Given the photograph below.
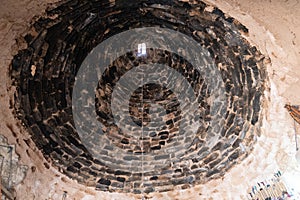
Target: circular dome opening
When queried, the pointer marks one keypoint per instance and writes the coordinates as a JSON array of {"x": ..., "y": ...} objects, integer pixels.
[{"x": 180, "y": 109}]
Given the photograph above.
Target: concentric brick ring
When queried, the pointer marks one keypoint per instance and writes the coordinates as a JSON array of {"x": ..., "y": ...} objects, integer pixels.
[
  {"x": 225, "y": 74},
  {"x": 141, "y": 102},
  {"x": 133, "y": 76}
]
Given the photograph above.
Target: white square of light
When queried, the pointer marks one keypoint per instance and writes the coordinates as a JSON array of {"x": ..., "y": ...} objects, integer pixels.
[{"x": 141, "y": 49}]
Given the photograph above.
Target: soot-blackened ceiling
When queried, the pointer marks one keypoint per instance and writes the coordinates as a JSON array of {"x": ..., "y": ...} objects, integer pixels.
[{"x": 170, "y": 150}]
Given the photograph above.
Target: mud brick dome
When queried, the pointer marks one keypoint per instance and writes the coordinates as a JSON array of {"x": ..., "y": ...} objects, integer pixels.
[{"x": 165, "y": 140}]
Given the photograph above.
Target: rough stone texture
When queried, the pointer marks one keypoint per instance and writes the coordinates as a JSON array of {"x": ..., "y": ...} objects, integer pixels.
[
  {"x": 44, "y": 74},
  {"x": 273, "y": 146},
  {"x": 12, "y": 172}
]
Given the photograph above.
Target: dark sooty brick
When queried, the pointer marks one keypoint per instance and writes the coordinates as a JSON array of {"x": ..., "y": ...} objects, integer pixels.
[{"x": 175, "y": 154}]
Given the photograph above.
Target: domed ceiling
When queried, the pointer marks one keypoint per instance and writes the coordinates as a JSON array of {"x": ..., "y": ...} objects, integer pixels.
[{"x": 139, "y": 96}]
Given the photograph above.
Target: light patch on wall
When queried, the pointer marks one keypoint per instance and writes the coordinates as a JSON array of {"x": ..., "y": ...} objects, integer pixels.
[{"x": 142, "y": 49}]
